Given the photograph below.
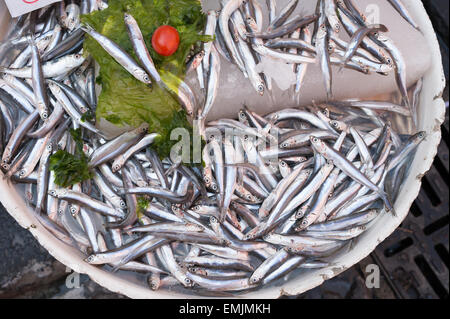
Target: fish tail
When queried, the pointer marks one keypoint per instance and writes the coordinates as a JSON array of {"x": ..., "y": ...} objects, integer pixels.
[
  {"x": 37, "y": 210},
  {"x": 116, "y": 268},
  {"x": 86, "y": 27},
  {"x": 223, "y": 214},
  {"x": 387, "y": 202},
  {"x": 30, "y": 39},
  {"x": 122, "y": 262}
]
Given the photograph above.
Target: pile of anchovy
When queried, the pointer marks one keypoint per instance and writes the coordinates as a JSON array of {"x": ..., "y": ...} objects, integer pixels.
[
  {"x": 241, "y": 40},
  {"x": 275, "y": 193}
]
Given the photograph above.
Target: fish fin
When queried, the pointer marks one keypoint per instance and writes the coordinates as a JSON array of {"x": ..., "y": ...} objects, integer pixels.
[
  {"x": 351, "y": 244},
  {"x": 122, "y": 191}
]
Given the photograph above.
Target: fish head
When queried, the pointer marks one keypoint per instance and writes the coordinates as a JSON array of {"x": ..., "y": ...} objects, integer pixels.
[
  {"x": 144, "y": 77},
  {"x": 76, "y": 60},
  {"x": 419, "y": 137},
  {"x": 116, "y": 167},
  {"x": 154, "y": 282},
  {"x": 187, "y": 282},
  {"x": 54, "y": 192},
  {"x": 318, "y": 144},
  {"x": 260, "y": 88},
  {"x": 213, "y": 221},
  {"x": 286, "y": 144},
  {"x": 92, "y": 259},
  {"x": 143, "y": 128},
  {"x": 336, "y": 27},
  {"x": 54, "y": 87},
  {"x": 338, "y": 125},
  {"x": 214, "y": 187},
  {"x": 243, "y": 118}
]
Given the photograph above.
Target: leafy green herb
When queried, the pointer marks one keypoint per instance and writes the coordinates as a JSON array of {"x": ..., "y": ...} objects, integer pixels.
[
  {"x": 69, "y": 168},
  {"x": 87, "y": 116},
  {"x": 143, "y": 204},
  {"x": 125, "y": 100}
]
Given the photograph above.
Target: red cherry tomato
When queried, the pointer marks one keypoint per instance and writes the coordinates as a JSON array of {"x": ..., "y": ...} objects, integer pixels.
[{"x": 166, "y": 40}]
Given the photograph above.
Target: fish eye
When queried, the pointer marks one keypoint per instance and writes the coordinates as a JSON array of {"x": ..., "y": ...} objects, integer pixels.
[
  {"x": 214, "y": 187},
  {"x": 122, "y": 204},
  {"x": 207, "y": 180},
  {"x": 315, "y": 140},
  {"x": 77, "y": 56},
  {"x": 187, "y": 281},
  {"x": 284, "y": 145},
  {"x": 260, "y": 88}
]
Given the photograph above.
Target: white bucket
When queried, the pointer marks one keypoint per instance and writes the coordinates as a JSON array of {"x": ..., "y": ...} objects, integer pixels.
[{"x": 431, "y": 116}]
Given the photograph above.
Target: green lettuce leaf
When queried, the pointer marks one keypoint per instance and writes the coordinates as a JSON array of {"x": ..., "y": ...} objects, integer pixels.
[
  {"x": 69, "y": 168},
  {"x": 125, "y": 100}
]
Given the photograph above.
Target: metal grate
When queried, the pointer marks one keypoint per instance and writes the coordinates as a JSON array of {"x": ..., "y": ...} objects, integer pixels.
[{"x": 416, "y": 257}]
